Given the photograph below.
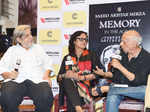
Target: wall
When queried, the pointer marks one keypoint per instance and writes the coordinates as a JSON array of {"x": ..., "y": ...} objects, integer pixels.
[{"x": 12, "y": 20}]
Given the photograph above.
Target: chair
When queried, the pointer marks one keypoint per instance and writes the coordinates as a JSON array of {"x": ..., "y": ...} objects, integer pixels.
[
  {"x": 129, "y": 104},
  {"x": 26, "y": 105},
  {"x": 126, "y": 105},
  {"x": 147, "y": 96}
]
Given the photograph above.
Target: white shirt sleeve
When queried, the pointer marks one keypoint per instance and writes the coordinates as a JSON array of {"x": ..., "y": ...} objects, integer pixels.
[{"x": 6, "y": 60}]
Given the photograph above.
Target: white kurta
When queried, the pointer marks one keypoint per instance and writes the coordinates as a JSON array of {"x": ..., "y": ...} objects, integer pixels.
[{"x": 33, "y": 62}]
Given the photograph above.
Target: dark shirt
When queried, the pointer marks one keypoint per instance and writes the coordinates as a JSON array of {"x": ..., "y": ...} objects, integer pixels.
[{"x": 140, "y": 66}]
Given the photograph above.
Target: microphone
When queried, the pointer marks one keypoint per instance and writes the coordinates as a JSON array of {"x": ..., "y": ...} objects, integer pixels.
[
  {"x": 68, "y": 66},
  {"x": 69, "y": 63},
  {"x": 18, "y": 62},
  {"x": 117, "y": 56}
]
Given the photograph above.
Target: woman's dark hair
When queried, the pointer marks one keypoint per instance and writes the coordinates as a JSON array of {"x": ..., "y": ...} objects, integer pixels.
[{"x": 72, "y": 39}]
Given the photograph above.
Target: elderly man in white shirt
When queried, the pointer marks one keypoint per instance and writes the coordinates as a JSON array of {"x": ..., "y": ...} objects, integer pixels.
[{"x": 25, "y": 68}]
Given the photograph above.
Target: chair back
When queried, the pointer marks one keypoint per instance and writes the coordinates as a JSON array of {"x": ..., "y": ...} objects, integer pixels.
[{"x": 147, "y": 94}]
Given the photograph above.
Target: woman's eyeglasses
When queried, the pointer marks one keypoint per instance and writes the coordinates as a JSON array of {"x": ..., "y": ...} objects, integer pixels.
[{"x": 82, "y": 39}]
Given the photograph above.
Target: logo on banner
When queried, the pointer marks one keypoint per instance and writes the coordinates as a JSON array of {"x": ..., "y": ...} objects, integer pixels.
[
  {"x": 66, "y": 36},
  {"x": 49, "y": 19},
  {"x": 67, "y": 2},
  {"x": 74, "y": 19},
  {"x": 74, "y": 16},
  {"x": 52, "y": 37},
  {"x": 42, "y": 20},
  {"x": 119, "y": 9},
  {"x": 109, "y": 52},
  {"x": 50, "y": 5},
  {"x": 53, "y": 53},
  {"x": 49, "y": 34},
  {"x": 50, "y": 1}
]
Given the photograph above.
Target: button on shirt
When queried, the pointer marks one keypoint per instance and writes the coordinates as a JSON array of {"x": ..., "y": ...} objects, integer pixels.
[{"x": 33, "y": 63}]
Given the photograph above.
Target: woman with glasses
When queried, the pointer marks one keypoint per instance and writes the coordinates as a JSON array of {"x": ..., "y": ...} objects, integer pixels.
[{"x": 76, "y": 73}]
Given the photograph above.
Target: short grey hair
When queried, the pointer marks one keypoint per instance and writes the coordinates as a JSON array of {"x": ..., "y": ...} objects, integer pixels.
[
  {"x": 134, "y": 35},
  {"x": 19, "y": 32}
]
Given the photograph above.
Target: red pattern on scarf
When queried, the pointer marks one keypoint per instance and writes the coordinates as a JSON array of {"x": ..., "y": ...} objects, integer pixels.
[{"x": 84, "y": 65}]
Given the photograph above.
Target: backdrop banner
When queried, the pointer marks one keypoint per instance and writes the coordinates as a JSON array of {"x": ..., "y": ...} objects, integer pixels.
[
  {"x": 56, "y": 21},
  {"x": 107, "y": 22}
]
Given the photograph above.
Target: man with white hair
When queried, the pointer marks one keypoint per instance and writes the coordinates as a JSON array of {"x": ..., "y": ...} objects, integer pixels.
[
  {"x": 25, "y": 68},
  {"x": 132, "y": 70}
]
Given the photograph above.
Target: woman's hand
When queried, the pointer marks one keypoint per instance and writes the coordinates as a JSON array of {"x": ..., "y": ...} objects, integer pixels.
[
  {"x": 103, "y": 89},
  {"x": 94, "y": 92},
  {"x": 71, "y": 74}
]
